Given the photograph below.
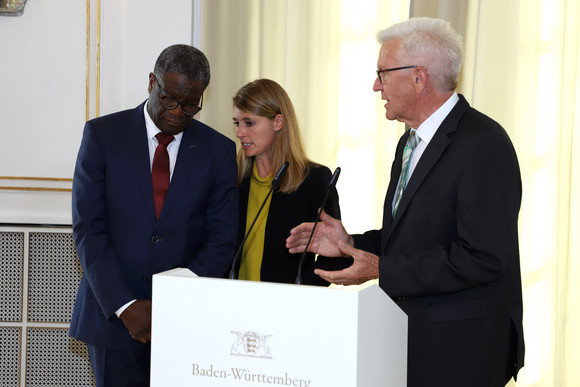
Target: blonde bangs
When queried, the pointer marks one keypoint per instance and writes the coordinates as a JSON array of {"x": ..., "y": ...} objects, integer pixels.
[{"x": 267, "y": 98}]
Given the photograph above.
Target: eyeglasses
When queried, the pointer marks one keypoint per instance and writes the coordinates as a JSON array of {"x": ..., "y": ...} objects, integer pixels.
[
  {"x": 170, "y": 103},
  {"x": 392, "y": 69}
]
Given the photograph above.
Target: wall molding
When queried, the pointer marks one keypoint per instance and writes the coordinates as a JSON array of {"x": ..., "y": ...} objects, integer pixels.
[
  {"x": 48, "y": 184},
  {"x": 93, "y": 70}
]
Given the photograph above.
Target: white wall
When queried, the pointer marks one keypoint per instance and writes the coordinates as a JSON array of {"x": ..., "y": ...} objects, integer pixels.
[{"x": 64, "y": 61}]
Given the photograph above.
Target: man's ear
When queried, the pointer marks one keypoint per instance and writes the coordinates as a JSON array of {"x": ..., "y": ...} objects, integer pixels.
[
  {"x": 151, "y": 83},
  {"x": 420, "y": 79}
]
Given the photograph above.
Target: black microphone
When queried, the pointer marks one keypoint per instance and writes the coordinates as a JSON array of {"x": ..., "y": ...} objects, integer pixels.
[
  {"x": 331, "y": 184},
  {"x": 275, "y": 183}
]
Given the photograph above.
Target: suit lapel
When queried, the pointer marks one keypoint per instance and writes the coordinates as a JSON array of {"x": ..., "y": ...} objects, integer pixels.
[
  {"x": 273, "y": 212},
  {"x": 395, "y": 173},
  {"x": 137, "y": 143},
  {"x": 244, "y": 196},
  {"x": 186, "y": 159},
  {"x": 440, "y": 141}
]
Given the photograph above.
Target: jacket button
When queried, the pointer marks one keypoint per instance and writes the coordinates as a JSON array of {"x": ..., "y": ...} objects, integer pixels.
[
  {"x": 144, "y": 279},
  {"x": 155, "y": 239}
]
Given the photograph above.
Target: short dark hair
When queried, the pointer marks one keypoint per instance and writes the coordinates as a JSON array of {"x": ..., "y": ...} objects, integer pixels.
[{"x": 184, "y": 60}]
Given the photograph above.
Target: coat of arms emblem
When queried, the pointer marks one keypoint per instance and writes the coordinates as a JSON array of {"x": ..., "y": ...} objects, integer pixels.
[{"x": 252, "y": 344}]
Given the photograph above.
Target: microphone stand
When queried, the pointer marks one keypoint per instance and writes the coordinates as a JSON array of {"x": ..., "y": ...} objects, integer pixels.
[
  {"x": 275, "y": 183},
  {"x": 303, "y": 256}
]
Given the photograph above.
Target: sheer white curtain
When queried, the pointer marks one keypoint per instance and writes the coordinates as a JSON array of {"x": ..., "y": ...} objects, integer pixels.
[
  {"x": 324, "y": 53},
  {"x": 521, "y": 68}
]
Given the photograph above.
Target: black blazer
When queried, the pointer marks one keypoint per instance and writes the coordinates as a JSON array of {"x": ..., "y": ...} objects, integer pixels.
[
  {"x": 286, "y": 212},
  {"x": 450, "y": 256}
]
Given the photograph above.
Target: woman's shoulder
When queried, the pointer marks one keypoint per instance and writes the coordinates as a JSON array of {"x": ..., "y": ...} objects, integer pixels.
[
  {"x": 316, "y": 169},
  {"x": 317, "y": 173}
]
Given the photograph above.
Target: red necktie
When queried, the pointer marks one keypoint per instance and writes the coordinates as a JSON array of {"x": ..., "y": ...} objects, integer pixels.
[{"x": 160, "y": 171}]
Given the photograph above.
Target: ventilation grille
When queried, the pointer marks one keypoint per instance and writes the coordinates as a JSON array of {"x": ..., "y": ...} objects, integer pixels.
[
  {"x": 39, "y": 277},
  {"x": 10, "y": 341},
  {"x": 55, "y": 359},
  {"x": 11, "y": 275},
  {"x": 53, "y": 277}
]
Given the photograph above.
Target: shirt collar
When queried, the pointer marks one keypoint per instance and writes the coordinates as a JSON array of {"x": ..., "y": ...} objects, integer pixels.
[
  {"x": 427, "y": 129},
  {"x": 261, "y": 180}
]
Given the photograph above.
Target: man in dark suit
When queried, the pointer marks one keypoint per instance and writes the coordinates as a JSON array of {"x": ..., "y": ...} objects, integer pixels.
[
  {"x": 447, "y": 252},
  {"x": 154, "y": 189}
]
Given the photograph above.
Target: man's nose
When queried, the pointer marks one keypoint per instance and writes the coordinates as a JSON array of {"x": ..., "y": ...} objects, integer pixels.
[{"x": 378, "y": 85}]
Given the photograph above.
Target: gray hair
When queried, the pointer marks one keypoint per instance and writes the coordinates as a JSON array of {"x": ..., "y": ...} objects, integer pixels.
[
  {"x": 430, "y": 43},
  {"x": 184, "y": 60}
]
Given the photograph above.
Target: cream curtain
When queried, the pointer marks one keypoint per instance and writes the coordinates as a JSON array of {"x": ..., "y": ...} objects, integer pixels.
[
  {"x": 324, "y": 53},
  {"x": 521, "y": 68}
]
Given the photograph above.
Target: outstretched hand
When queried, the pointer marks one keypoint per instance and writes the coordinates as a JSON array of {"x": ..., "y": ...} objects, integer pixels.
[
  {"x": 137, "y": 320},
  {"x": 364, "y": 268},
  {"x": 329, "y": 232}
]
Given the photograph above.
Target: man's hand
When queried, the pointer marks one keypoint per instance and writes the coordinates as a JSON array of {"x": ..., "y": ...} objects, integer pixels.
[
  {"x": 329, "y": 232},
  {"x": 364, "y": 268},
  {"x": 137, "y": 320}
]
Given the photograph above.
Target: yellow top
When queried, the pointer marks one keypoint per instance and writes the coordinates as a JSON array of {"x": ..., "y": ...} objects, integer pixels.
[{"x": 251, "y": 264}]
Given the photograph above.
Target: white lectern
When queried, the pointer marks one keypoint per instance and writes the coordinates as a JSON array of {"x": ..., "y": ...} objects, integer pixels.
[{"x": 221, "y": 332}]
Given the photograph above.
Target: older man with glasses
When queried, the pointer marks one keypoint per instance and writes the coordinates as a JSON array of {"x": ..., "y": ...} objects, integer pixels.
[{"x": 447, "y": 252}]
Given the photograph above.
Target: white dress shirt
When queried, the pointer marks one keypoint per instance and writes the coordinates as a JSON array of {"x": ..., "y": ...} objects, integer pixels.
[
  {"x": 425, "y": 133},
  {"x": 172, "y": 149}
]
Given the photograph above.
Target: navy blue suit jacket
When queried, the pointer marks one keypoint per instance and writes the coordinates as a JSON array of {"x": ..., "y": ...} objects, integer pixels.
[
  {"x": 120, "y": 244},
  {"x": 450, "y": 256}
]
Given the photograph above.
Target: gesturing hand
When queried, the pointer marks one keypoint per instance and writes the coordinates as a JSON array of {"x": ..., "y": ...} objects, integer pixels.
[
  {"x": 329, "y": 232},
  {"x": 364, "y": 268}
]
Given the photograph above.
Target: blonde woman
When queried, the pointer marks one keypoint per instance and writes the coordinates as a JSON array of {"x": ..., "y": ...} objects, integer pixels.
[{"x": 269, "y": 135}]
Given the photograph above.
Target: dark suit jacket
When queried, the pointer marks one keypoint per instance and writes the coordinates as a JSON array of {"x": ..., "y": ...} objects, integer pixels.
[
  {"x": 120, "y": 244},
  {"x": 286, "y": 212},
  {"x": 450, "y": 256}
]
